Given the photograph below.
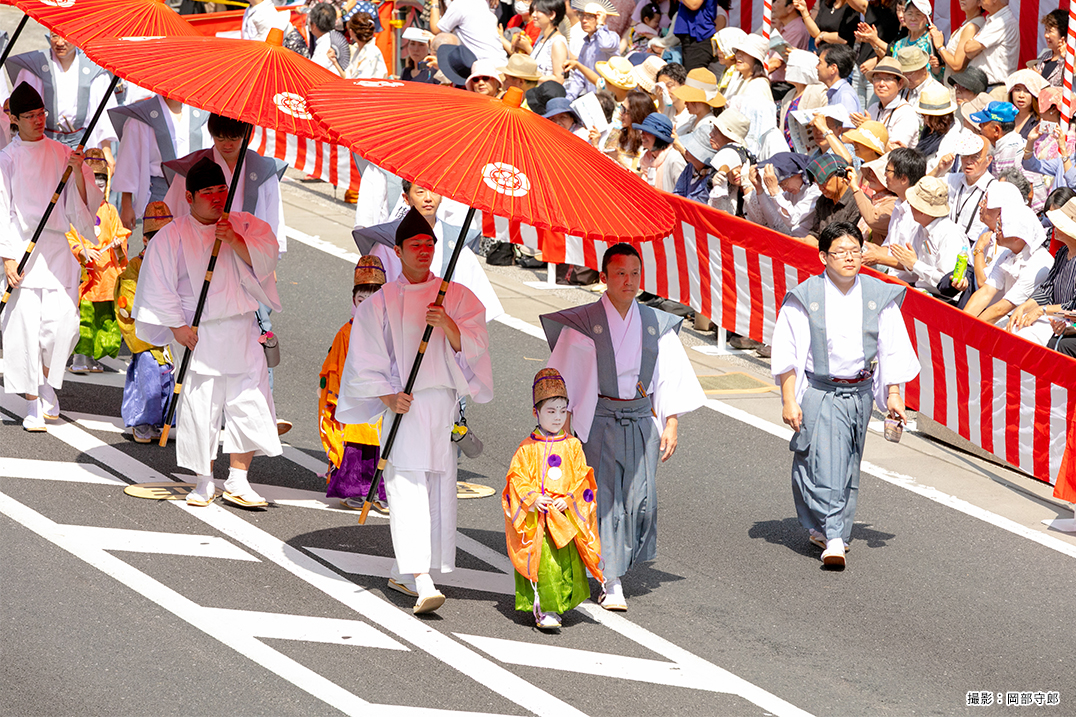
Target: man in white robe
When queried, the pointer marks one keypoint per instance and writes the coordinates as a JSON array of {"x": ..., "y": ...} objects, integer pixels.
[
  {"x": 420, "y": 476},
  {"x": 228, "y": 376},
  {"x": 628, "y": 381},
  {"x": 151, "y": 132},
  {"x": 72, "y": 88},
  {"x": 839, "y": 338},
  {"x": 376, "y": 241},
  {"x": 40, "y": 322}
]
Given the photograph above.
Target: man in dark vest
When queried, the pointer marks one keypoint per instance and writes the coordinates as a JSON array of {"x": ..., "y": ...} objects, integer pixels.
[
  {"x": 628, "y": 381},
  {"x": 839, "y": 344}
]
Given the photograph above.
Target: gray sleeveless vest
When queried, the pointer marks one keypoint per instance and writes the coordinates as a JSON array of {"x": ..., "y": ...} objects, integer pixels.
[
  {"x": 38, "y": 63},
  {"x": 256, "y": 170},
  {"x": 590, "y": 320},
  {"x": 149, "y": 112},
  {"x": 811, "y": 295}
]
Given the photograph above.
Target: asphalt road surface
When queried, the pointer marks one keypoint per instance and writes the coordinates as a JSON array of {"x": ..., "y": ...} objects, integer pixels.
[{"x": 123, "y": 606}]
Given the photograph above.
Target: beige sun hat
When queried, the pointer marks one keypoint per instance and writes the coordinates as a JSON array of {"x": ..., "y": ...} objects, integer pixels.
[
  {"x": 646, "y": 74},
  {"x": 733, "y": 125},
  {"x": 1033, "y": 81},
  {"x": 522, "y": 66},
  {"x": 912, "y": 58},
  {"x": 930, "y": 195},
  {"x": 1064, "y": 218},
  {"x": 888, "y": 66},
  {"x": 872, "y": 135},
  {"x": 935, "y": 101},
  {"x": 618, "y": 72},
  {"x": 878, "y": 166}
]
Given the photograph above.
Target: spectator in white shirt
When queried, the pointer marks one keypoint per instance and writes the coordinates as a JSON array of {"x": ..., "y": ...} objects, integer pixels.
[
  {"x": 939, "y": 241},
  {"x": 727, "y": 137},
  {"x": 967, "y": 188},
  {"x": 474, "y": 23},
  {"x": 994, "y": 50},
  {"x": 780, "y": 195},
  {"x": 904, "y": 169},
  {"x": 1022, "y": 265},
  {"x": 892, "y": 110},
  {"x": 260, "y": 17}
]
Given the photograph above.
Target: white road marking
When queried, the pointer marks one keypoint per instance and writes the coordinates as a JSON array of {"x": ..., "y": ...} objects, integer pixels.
[
  {"x": 95, "y": 422},
  {"x": 377, "y": 610},
  {"x": 330, "y": 630},
  {"x": 377, "y": 566},
  {"x": 294, "y": 497},
  {"x": 146, "y": 541},
  {"x": 910, "y": 483},
  {"x": 521, "y": 325},
  {"x": 322, "y": 245},
  {"x": 115, "y": 380},
  {"x": 57, "y": 470},
  {"x": 301, "y": 458}
]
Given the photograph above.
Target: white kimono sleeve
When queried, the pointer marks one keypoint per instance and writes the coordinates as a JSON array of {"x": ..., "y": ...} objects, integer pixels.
[
  {"x": 577, "y": 360},
  {"x": 473, "y": 357},
  {"x": 158, "y": 305},
  {"x": 791, "y": 345},
  {"x": 675, "y": 388},
  {"x": 271, "y": 211},
  {"x": 259, "y": 278},
  {"x": 369, "y": 371},
  {"x": 133, "y": 163},
  {"x": 897, "y": 362}
]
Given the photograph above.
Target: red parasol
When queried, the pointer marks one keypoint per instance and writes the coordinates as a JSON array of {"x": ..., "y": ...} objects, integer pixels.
[
  {"x": 84, "y": 20},
  {"x": 262, "y": 83},
  {"x": 492, "y": 155}
]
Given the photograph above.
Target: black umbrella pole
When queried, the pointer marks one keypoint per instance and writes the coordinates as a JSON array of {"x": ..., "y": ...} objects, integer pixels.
[
  {"x": 59, "y": 190},
  {"x": 14, "y": 37},
  {"x": 376, "y": 482},
  {"x": 185, "y": 363}
]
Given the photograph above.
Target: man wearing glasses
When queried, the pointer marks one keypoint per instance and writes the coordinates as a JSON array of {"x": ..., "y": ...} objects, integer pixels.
[
  {"x": 40, "y": 322},
  {"x": 839, "y": 343}
]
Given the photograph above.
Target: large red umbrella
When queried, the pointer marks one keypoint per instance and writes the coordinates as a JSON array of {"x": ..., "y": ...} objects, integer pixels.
[
  {"x": 80, "y": 24},
  {"x": 262, "y": 83},
  {"x": 491, "y": 155}
]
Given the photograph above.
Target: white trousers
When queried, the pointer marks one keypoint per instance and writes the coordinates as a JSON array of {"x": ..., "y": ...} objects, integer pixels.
[
  {"x": 40, "y": 328},
  {"x": 245, "y": 404},
  {"x": 422, "y": 519}
]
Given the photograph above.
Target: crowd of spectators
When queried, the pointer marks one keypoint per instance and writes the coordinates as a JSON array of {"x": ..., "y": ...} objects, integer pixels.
[{"x": 943, "y": 151}]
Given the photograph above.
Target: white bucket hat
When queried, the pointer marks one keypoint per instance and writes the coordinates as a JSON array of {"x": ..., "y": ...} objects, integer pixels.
[
  {"x": 802, "y": 67},
  {"x": 754, "y": 46}
]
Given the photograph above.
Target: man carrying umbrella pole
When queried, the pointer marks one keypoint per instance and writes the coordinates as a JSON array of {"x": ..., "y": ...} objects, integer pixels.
[
  {"x": 420, "y": 478},
  {"x": 41, "y": 324},
  {"x": 628, "y": 381},
  {"x": 228, "y": 374}
]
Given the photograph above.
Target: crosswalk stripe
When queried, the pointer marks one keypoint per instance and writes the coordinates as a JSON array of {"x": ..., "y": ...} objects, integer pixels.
[
  {"x": 56, "y": 470},
  {"x": 280, "y": 626},
  {"x": 377, "y": 566},
  {"x": 147, "y": 541}
]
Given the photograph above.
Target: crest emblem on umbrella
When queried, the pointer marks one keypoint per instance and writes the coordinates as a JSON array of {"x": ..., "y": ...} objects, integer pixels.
[
  {"x": 378, "y": 83},
  {"x": 58, "y": 3},
  {"x": 506, "y": 179},
  {"x": 292, "y": 104}
]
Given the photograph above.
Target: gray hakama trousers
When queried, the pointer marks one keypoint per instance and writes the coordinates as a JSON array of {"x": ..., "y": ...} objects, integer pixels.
[
  {"x": 623, "y": 448},
  {"x": 827, "y": 452}
]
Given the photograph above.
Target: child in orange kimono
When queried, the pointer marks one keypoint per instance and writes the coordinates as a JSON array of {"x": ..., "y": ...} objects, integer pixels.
[
  {"x": 550, "y": 514},
  {"x": 353, "y": 449},
  {"x": 103, "y": 257}
]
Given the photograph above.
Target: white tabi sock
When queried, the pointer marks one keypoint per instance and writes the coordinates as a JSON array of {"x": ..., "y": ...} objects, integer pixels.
[
  {"x": 613, "y": 589},
  {"x": 835, "y": 545},
  {"x": 205, "y": 487},
  {"x": 33, "y": 409},
  {"x": 237, "y": 484},
  {"x": 424, "y": 586}
]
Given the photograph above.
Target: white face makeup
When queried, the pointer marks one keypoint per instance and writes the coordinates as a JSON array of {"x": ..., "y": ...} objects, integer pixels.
[
  {"x": 553, "y": 415},
  {"x": 361, "y": 296}
]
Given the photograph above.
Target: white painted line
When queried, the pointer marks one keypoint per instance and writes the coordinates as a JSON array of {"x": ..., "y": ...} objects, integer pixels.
[
  {"x": 521, "y": 325},
  {"x": 305, "y": 460},
  {"x": 585, "y": 662},
  {"x": 381, "y": 612},
  {"x": 95, "y": 422},
  {"x": 377, "y": 566},
  {"x": 330, "y": 630},
  {"x": 293, "y": 497},
  {"x": 116, "y": 364},
  {"x": 486, "y": 554},
  {"x": 321, "y": 244},
  {"x": 57, "y": 470},
  {"x": 147, "y": 541}
]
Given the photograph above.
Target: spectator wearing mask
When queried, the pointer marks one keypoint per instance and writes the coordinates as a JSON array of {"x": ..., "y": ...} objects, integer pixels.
[
  {"x": 1022, "y": 265},
  {"x": 891, "y": 109},
  {"x": 780, "y": 195},
  {"x": 475, "y": 25},
  {"x": 939, "y": 241},
  {"x": 701, "y": 99},
  {"x": 835, "y": 65},
  {"x": 694, "y": 181},
  {"x": 801, "y": 71},
  {"x": 875, "y": 209},
  {"x": 1032, "y": 319},
  {"x": 904, "y": 168},
  {"x": 837, "y": 203},
  {"x": 599, "y": 44},
  {"x": 727, "y": 139},
  {"x": 995, "y": 49}
]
